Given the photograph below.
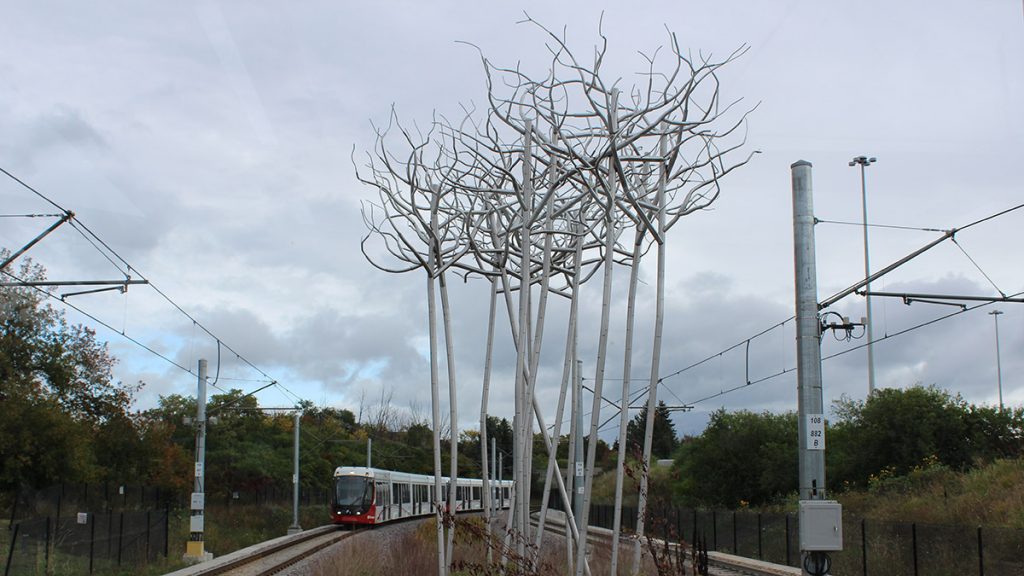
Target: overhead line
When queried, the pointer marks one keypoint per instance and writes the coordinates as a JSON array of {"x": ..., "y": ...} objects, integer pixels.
[
  {"x": 100, "y": 322},
  {"x": 861, "y": 225},
  {"x": 855, "y": 348},
  {"x": 111, "y": 252},
  {"x": 33, "y": 190}
]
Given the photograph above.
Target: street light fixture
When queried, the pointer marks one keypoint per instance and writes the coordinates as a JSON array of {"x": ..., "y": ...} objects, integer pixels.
[
  {"x": 999, "y": 369},
  {"x": 864, "y": 162}
]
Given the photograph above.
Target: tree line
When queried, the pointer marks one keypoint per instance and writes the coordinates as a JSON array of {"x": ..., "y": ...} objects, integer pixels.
[
  {"x": 67, "y": 421},
  {"x": 747, "y": 458}
]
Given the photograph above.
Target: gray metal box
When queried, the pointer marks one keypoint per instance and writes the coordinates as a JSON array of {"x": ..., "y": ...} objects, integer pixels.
[{"x": 821, "y": 525}]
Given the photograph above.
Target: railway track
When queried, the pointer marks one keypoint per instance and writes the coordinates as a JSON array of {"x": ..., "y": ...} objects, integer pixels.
[
  {"x": 271, "y": 556},
  {"x": 276, "y": 555}
]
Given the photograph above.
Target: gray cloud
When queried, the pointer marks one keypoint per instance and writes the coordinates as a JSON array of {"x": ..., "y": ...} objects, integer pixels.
[{"x": 209, "y": 144}]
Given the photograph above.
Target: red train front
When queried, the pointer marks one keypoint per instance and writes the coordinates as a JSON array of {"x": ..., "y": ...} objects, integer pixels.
[{"x": 353, "y": 499}]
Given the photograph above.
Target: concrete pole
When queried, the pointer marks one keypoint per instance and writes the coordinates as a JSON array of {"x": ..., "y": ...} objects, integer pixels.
[
  {"x": 295, "y": 528},
  {"x": 808, "y": 335},
  {"x": 369, "y": 452},
  {"x": 811, "y": 418},
  {"x": 194, "y": 549}
]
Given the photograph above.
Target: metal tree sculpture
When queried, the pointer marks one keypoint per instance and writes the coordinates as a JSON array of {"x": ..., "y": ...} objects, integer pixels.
[{"x": 535, "y": 197}]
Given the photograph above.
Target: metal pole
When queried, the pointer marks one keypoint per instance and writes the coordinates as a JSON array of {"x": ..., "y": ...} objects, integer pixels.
[
  {"x": 864, "y": 162},
  {"x": 810, "y": 421},
  {"x": 496, "y": 491},
  {"x": 577, "y": 484},
  {"x": 369, "y": 452},
  {"x": 295, "y": 528},
  {"x": 999, "y": 366},
  {"x": 194, "y": 549}
]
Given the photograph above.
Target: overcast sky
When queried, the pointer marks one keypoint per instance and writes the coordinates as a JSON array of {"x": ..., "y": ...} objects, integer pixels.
[{"x": 209, "y": 144}]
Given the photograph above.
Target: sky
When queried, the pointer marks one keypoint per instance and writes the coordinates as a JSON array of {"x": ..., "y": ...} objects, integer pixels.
[{"x": 211, "y": 145}]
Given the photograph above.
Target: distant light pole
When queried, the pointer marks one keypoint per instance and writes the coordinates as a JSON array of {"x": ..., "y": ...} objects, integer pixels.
[
  {"x": 864, "y": 162},
  {"x": 999, "y": 368}
]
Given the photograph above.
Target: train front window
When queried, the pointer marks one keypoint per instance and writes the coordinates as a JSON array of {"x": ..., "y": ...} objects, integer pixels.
[{"x": 352, "y": 491}]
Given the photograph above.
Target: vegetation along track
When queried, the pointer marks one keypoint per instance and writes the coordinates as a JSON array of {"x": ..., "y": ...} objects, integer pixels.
[{"x": 719, "y": 564}]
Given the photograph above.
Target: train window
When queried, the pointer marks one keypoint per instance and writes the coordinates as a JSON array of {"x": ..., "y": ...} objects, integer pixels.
[
  {"x": 476, "y": 492},
  {"x": 406, "y": 494}
]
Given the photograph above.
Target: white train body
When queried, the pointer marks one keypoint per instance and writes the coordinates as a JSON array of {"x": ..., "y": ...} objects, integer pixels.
[{"x": 373, "y": 496}]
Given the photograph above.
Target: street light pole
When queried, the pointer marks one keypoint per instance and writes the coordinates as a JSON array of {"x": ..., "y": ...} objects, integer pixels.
[
  {"x": 864, "y": 162},
  {"x": 999, "y": 368}
]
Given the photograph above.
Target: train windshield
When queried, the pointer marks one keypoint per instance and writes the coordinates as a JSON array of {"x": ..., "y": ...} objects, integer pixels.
[{"x": 353, "y": 491}]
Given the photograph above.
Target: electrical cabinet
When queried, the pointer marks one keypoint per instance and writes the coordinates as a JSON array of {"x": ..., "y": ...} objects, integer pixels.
[{"x": 821, "y": 525}]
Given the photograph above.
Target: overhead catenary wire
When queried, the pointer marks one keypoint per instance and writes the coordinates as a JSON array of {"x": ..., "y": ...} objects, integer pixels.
[
  {"x": 855, "y": 348},
  {"x": 957, "y": 244},
  {"x": 889, "y": 226},
  {"x": 110, "y": 254}
]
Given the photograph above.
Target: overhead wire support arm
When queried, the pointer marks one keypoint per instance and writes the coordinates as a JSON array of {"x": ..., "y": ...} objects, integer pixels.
[
  {"x": 43, "y": 283},
  {"x": 64, "y": 218},
  {"x": 853, "y": 289},
  {"x": 909, "y": 297}
]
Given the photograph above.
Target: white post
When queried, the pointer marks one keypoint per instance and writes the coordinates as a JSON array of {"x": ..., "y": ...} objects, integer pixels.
[
  {"x": 864, "y": 162},
  {"x": 194, "y": 549},
  {"x": 295, "y": 528}
]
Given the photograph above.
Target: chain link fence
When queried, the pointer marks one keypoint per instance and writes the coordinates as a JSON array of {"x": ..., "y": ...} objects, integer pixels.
[
  {"x": 871, "y": 547},
  {"x": 85, "y": 542}
]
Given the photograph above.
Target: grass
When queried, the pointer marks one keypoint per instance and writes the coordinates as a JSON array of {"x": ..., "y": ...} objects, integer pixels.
[{"x": 992, "y": 495}]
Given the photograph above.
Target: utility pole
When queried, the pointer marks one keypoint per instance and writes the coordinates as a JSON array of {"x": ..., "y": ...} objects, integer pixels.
[
  {"x": 864, "y": 162},
  {"x": 999, "y": 367},
  {"x": 369, "y": 452},
  {"x": 194, "y": 549},
  {"x": 295, "y": 528},
  {"x": 820, "y": 520},
  {"x": 578, "y": 481},
  {"x": 495, "y": 492}
]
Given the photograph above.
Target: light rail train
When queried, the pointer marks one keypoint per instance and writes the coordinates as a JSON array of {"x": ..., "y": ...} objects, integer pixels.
[{"x": 370, "y": 496}]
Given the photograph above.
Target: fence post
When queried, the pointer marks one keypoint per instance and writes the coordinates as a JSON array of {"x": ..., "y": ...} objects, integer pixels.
[
  {"x": 14, "y": 506},
  {"x": 788, "y": 563},
  {"x": 735, "y": 544},
  {"x": 167, "y": 527},
  {"x": 679, "y": 524},
  {"x": 864, "y": 545},
  {"x": 695, "y": 525},
  {"x": 10, "y": 552},
  {"x": 46, "y": 553},
  {"x": 913, "y": 542},
  {"x": 981, "y": 555},
  {"x": 91, "y": 518},
  {"x": 760, "y": 548},
  {"x": 120, "y": 537},
  {"x": 110, "y": 531},
  {"x": 714, "y": 530}
]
